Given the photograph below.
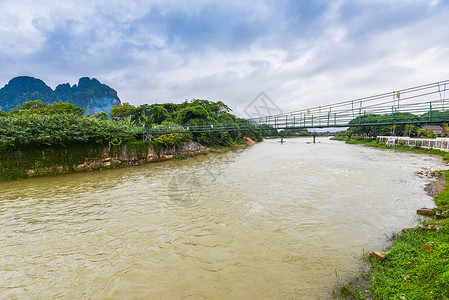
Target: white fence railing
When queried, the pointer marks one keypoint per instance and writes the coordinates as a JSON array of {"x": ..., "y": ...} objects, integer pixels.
[{"x": 439, "y": 143}]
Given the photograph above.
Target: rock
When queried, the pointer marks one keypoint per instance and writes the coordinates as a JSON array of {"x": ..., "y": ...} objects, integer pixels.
[
  {"x": 248, "y": 141},
  {"x": 425, "y": 212},
  {"x": 442, "y": 214},
  {"x": 89, "y": 94},
  {"x": 435, "y": 187},
  {"x": 379, "y": 254}
]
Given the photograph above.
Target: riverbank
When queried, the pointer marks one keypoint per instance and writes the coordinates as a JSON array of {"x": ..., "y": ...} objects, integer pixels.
[
  {"x": 27, "y": 163},
  {"x": 416, "y": 265}
]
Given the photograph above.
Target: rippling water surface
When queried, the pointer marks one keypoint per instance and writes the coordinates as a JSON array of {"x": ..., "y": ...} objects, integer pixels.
[{"x": 269, "y": 221}]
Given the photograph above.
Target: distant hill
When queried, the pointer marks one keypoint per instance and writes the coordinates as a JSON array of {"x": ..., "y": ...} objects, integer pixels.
[{"x": 89, "y": 94}]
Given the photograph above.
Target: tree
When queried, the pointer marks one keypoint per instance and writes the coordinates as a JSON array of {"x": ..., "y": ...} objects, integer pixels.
[
  {"x": 159, "y": 114},
  {"x": 30, "y": 105},
  {"x": 123, "y": 110},
  {"x": 102, "y": 115},
  {"x": 38, "y": 107},
  {"x": 65, "y": 108},
  {"x": 217, "y": 110},
  {"x": 192, "y": 114}
]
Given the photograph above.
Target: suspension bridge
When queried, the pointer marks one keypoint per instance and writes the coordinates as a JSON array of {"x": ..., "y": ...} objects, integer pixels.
[{"x": 423, "y": 104}]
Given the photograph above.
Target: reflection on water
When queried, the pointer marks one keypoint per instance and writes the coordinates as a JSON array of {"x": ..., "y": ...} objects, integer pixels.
[{"x": 270, "y": 221}]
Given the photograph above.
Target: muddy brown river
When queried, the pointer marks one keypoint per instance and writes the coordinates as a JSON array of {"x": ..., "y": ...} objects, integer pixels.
[{"x": 272, "y": 221}]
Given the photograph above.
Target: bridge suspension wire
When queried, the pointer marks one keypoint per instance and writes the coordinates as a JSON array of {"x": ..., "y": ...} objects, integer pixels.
[
  {"x": 372, "y": 98},
  {"x": 402, "y": 103},
  {"x": 419, "y": 105}
]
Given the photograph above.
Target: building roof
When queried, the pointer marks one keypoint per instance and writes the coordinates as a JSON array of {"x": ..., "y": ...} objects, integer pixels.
[{"x": 433, "y": 127}]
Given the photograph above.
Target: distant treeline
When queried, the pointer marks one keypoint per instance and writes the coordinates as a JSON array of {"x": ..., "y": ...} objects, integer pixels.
[{"x": 409, "y": 125}]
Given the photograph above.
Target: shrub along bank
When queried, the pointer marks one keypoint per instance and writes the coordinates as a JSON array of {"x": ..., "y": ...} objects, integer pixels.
[
  {"x": 417, "y": 261},
  {"x": 39, "y": 139}
]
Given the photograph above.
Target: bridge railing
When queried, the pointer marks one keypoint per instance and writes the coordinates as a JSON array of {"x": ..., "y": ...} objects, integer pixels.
[
  {"x": 417, "y": 105},
  {"x": 428, "y": 112},
  {"x": 202, "y": 127},
  {"x": 337, "y": 114}
]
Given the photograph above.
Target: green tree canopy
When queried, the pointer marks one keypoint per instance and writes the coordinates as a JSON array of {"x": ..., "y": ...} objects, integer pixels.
[
  {"x": 123, "y": 110},
  {"x": 192, "y": 114},
  {"x": 102, "y": 115},
  {"x": 39, "y": 107},
  {"x": 217, "y": 110},
  {"x": 159, "y": 114}
]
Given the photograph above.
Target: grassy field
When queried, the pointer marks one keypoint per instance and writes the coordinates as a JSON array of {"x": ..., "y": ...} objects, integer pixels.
[{"x": 417, "y": 261}]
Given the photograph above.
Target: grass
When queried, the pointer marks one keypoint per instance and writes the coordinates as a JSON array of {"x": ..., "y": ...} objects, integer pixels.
[
  {"x": 417, "y": 262},
  {"x": 442, "y": 199}
]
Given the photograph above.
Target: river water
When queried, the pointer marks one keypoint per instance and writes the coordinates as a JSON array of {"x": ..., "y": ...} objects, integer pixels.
[{"x": 272, "y": 221}]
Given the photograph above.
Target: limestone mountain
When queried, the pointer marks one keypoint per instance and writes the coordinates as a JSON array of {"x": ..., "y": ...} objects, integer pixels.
[{"x": 89, "y": 94}]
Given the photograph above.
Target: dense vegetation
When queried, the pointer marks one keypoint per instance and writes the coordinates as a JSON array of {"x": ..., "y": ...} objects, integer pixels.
[
  {"x": 37, "y": 124},
  {"x": 40, "y": 124},
  {"x": 38, "y": 138},
  {"x": 412, "y": 129},
  {"x": 192, "y": 112},
  {"x": 417, "y": 263}
]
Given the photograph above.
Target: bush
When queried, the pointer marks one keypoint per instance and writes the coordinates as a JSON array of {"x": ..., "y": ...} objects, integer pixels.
[{"x": 59, "y": 130}]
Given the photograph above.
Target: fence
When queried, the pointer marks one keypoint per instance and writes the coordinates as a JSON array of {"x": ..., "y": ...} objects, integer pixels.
[{"x": 439, "y": 143}]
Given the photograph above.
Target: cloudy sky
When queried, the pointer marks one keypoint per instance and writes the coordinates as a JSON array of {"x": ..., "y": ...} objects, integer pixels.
[{"x": 300, "y": 53}]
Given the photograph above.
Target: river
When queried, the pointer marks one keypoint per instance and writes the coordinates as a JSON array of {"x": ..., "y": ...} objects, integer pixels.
[{"x": 271, "y": 221}]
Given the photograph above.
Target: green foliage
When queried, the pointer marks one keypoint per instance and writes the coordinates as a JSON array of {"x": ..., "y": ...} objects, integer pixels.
[
  {"x": 39, "y": 124},
  {"x": 114, "y": 142},
  {"x": 193, "y": 115},
  {"x": 128, "y": 121},
  {"x": 59, "y": 130},
  {"x": 35, "y": 104},
  {"x": 424, "y": 133},
  {"x": 16, "y": 164},
  {"x": 196, "y": 111},
  {"x": 32, "y": 162},
  {"x": 415, "y": 268},
  {"x": 159, "y": 114},
  {"x": 407, "y": 124},
  {"x": 102, "y": 115},
  {"x": 39, "y": 107},
  {"x": 3, "y": 114},
  {"x": 217, "y": 111},
  {"x": 169, "y": 140},
  {"x": 123, "y": 110},
  {"x": 442, "y": 200}
]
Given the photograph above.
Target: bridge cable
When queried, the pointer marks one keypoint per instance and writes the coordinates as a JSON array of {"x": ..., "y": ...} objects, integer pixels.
[
  {"x": 353, "y": 109},
  {"x": 444, "y": 95},
  {"x": 414, "y": 90}
]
